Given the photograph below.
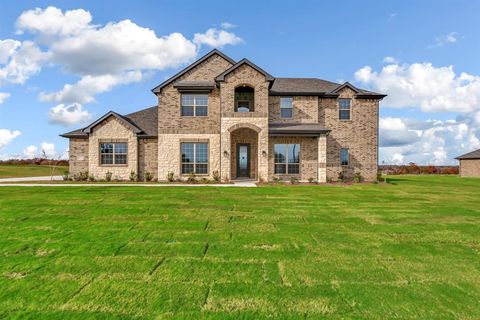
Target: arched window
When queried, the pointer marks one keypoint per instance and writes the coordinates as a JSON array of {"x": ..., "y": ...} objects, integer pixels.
[{"x": 244, "y": 99}]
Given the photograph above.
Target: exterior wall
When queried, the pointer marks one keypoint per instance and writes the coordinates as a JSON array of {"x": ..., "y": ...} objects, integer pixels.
[
  {"x": 111, "y": 130},
  {"x": 305, "y": 110},
  {"x": 359, "y": 135},
  {"x": 169, "y": 153},
  {"x": 308, "y": 157},
  {"x": 470, "y": 168},
  {"x": 244, "y": 135},
  {"x": 169, "y": 116},
  {"x": 147, "y": 157},
  {"x": 78, "y": 156}
]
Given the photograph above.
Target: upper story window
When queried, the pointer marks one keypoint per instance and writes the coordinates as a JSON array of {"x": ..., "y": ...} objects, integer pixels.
[
  {"x": 344, "y": 109},
  {"x": 244, "y": 99},
  {"x": 113, "y": 153},
  {"x": 194, "y": 105},
  {"x": 344, "y": 157},
  {"x": 286, "y": 107},
  {"x": 194, "y": 158},
  {"x": 287, "y": 158}
]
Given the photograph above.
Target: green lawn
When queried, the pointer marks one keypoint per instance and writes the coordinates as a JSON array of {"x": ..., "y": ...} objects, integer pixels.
[
  {"x": 406, "y": 250},
  {"x": 17, "y": 171}
]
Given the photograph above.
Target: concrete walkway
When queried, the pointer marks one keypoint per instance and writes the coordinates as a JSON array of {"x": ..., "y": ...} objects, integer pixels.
[
  {"x": 48, "y": 178},
  {"x": 17, "y": 183}
]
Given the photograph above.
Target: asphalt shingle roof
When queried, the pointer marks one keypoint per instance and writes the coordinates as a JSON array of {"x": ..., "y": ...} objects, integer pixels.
[{"x": 471, "y": 155}]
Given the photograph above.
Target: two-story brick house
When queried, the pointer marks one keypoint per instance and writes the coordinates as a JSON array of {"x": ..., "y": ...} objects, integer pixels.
[{"x": 235, "y": 119}]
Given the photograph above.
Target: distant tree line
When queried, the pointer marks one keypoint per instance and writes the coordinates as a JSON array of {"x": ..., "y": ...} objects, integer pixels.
[
  {"x": 413, "y": 168},
  {"x": 35, "y": 161}
]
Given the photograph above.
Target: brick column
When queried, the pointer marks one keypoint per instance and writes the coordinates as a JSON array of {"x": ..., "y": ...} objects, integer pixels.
[{"x": 322, "y": 158}]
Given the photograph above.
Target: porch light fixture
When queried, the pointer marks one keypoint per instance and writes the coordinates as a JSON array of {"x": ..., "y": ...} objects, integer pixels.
[
  {"x": 264, "y": 153},
  {"x": 225, "y": 153}
]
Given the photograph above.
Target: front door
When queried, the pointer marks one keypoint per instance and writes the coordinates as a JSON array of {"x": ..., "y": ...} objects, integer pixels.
[{"x": 243, "y": 160}]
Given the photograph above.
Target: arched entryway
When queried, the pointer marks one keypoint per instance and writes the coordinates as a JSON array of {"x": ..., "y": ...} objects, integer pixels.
[{"x": 244, "y": 153}]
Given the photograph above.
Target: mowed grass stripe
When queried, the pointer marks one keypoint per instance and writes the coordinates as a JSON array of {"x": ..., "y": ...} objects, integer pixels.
[{"x": 409, "y": 249}]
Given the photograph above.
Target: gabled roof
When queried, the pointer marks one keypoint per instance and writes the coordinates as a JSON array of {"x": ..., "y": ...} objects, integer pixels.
[
  {"x": 158, "y": 88},
  {"x": 221, "y": 76},
  {"x": 316, "y": 87},
  {"x": 144, "y": 123},
  {"x": 471, "y": 155},
  {"x": 127, "y": 122}
]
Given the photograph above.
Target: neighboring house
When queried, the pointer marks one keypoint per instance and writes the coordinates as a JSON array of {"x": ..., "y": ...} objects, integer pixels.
[
  {"x": 470, "y": 164},
  {"x": 235, "y": 119}
]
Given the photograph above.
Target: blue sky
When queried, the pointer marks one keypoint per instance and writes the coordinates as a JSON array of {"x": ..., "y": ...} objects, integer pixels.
[{"x": 424, "y": 55}]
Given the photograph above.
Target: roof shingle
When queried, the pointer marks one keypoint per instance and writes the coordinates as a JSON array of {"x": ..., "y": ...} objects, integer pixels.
[{"x": 471, "y": 155}]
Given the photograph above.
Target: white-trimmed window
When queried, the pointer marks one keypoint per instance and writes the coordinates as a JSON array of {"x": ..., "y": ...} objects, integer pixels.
[
  {"x": 287, "y": 158},
  {"x": 344, "y": 157},
  {"x": 114, "y": 153},
  {"x": 286, "y": 107},
  {"x": 194, "y": 157},
  {"x": 344, "y": 109},
  {"x": 194, "y": 105}
]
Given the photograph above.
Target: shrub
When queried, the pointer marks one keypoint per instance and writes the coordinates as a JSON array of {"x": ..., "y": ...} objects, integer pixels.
[
  {"x": 170, "y": 176},
  {"x": 311, "y": 180},
  {"x": 192, "y": 178},
  {"x": 277, "y": 180},
  {"x": 91, "y": 177},
  {"x": 357, "y": 177},
  {"x": 341, "y": 176},
  {"x": 293, "y": 180},
  {"x": 148, "y": 176},
  {"x": 133, "y": 176},
  {"x": 66, "y": 175},
  {"x": 204, "y": 181},
  {"x": 216, "y": 176},
  {"x": 108, "y": 176},
  {"x": 81, "y": 176}
]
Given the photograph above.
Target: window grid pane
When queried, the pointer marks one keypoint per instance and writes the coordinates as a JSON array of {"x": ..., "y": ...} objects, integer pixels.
[
  {"x": 344, "y": 109},
  {"x": 113, "y": 153},
  {"x": 287, "y": 158},
  {"x": 194, "y": 158},
  {"x": 201, "y": 111},
  {"x": 286, "y": 103},
  {"x": 293, "y": 153},
  {"x": 344, "y": 157},
  {"x": 187, "y": 111}
]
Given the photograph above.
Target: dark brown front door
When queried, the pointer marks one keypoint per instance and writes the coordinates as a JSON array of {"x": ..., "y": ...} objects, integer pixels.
[{"x": 243, "y": 160}]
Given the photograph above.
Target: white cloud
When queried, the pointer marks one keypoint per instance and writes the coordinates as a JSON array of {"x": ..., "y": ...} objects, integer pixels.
[
  {"x": 448, "y": 38},
  {"x": 69, "y": 114},
  {"x": 227, "y": 25},
  {"x": 48, "y": 149},
  {"x": 389, "y": 59},
  {"x": 423, "y": 85},
  {"x": 19, "y": 60},
  {"x": 4, "y": 96},
  {"x": 30, "y": 152},
  {"x": 426, "y": 142},
  {"x": 106, "y": 56},
  {"x": 7, "y": 136},
  {"x": 216, "y": 38}
]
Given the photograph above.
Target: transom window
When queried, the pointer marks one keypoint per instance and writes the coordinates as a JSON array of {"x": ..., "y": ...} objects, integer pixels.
[
  {"x": 194, "y": 105},
  {"x": 287, "y": 158},
  {"x": 286, "y": 107},
  {"x": 344, "y": 157},
  {"x": 113, "y": 153},
  {"x": 194, "y": 158},
  {"x": 344, "y": 109}
]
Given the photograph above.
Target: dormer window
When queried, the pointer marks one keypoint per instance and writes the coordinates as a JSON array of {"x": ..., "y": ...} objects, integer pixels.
[{"x": 244, "y": 99}]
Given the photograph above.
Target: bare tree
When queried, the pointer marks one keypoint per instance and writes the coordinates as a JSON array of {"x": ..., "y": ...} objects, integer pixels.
[{"x": 53, "y": 162}]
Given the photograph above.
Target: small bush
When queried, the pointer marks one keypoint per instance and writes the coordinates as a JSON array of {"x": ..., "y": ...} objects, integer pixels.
[
  {"x": 66, "y": 175},
  {"x": 357, "y": 177},
  {"x": 170, "y": 176},
  {"x": 148, "y": 176},
  {"x": 293, "y": 180},
  {"x": 81, "y": 176},
  {"x": 216, "y": 176},
  {"x": 380, "y": 177},
  {"x": 91, "y": 178},
  {"x": 133, "y": 176},
  {"x": 204, "y": 181},
  {"x": 277, "y": 180},
  {"x": 311, "y": 180},
  {"x": 192, "y": 178},
  {"x": 341, "y": 176},
  {"x": 108, "y": 176}
]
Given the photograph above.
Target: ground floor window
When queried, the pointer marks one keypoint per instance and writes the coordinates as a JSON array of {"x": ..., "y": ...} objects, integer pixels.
[
  {"x": 194, "y": 157},
  {"x": 344, "y": 157},
  {"x": 287, "y": 158},
  {"x": 113, "y": 153}
]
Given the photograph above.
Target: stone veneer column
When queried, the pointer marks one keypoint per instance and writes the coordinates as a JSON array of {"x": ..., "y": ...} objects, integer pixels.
[
  {"x": 322, "y": 158},
  {"x": 263, "y": 155}
]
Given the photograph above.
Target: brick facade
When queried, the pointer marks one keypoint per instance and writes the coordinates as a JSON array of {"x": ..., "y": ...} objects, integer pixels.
[
  {"x": 223, "y": 129},
  {"x": 470, "y": 167}
]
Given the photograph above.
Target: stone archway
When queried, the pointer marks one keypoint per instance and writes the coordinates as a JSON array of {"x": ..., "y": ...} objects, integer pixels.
[{"x": 244, "y": 152}]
